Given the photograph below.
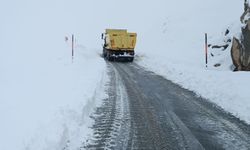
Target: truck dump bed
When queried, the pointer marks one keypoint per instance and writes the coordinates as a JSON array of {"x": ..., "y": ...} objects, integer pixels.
[{"x": 120, "y": 40}]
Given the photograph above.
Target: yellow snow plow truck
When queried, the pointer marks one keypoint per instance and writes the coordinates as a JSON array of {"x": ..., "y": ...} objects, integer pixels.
[{"x": 119, "y": 44}]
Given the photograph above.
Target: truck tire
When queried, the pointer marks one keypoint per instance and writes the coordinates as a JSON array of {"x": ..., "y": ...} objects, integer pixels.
[
  {"x": 131, "y": 59},
  {"x": 104, "y": 53},
  {"x": 109, "y": 58}
]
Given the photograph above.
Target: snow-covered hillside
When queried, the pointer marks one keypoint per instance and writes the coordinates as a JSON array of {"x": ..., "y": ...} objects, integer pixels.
[
  {"x": 44, "y": 96},
  {"x": 45, "y": 99},
  {"x": 178, "y": 53}
]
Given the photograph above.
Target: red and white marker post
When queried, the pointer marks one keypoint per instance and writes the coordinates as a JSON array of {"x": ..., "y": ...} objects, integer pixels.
[
  {"x": 206, "y": 59},
  {"x": 73, "y": 40}
]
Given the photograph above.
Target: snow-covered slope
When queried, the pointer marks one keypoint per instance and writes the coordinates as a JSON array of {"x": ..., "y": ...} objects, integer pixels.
[
  {"x": 46, "y": 100},
  {"x": 43, "y": 96}
]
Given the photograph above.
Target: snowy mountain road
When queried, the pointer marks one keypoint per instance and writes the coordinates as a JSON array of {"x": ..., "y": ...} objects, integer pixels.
[{"x": 147, "y": 111}]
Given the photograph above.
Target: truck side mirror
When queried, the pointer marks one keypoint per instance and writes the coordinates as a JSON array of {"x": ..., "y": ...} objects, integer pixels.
[{"x": 102, "y": 36}]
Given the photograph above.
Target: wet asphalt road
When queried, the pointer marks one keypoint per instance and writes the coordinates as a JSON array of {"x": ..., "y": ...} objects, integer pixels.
[{"x": 146, "y": 111}]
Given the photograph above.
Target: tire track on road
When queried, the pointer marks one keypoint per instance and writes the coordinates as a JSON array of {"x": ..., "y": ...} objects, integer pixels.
[{"x": 112, "y": 119}]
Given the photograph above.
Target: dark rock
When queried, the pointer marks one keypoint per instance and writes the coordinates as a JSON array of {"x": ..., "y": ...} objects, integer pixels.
[
  {"x": 217, "y": 65},
  {"x": 246, "y": 5},
  {"x": 227, "y": 32},
  {"x": 220, "y": 46},
  {"x": 246, "y": 11},
  {"x": 216, "y": 46},
  {"x": 240, "y": 51},
  {"x": 225, "y": 47},
  {"x": 229, "y": 41},
  {"x": 236, "y": 54},
  {"x": 246, "y": 45}
]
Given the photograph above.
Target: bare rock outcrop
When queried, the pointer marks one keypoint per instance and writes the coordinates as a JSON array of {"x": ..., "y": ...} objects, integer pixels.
[
  {"x": 236, "y": 54},
  {"x": 240, "y": 50}
]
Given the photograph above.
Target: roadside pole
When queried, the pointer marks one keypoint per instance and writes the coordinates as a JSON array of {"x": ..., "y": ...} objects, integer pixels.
[
  {"x": 206, "y": 49},
  {"x": 73, "y": 48}
]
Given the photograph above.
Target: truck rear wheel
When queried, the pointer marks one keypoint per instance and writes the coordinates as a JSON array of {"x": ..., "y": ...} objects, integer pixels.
[
  {"x": 131, "y": 59},
  {"x": 104, "y": 53},
  {"x": 109, "y": 57}
]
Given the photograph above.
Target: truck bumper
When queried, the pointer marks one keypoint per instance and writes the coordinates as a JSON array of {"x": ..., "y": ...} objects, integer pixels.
[
  {"x": 118, "y": 54},
  {"x": 123, "y": 55}
]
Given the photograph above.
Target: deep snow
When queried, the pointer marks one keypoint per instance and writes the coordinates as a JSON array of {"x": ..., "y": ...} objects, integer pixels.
[
  {"x": 46, "y": 103},
  {"x": 45, "y": 100}
]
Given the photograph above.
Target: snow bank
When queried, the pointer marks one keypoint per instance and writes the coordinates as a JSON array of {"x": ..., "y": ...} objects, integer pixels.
[
  {"x": 46, "y": 100},
  {"x": 227, "y": 89},
  {"x": 53, "y": 97}
]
